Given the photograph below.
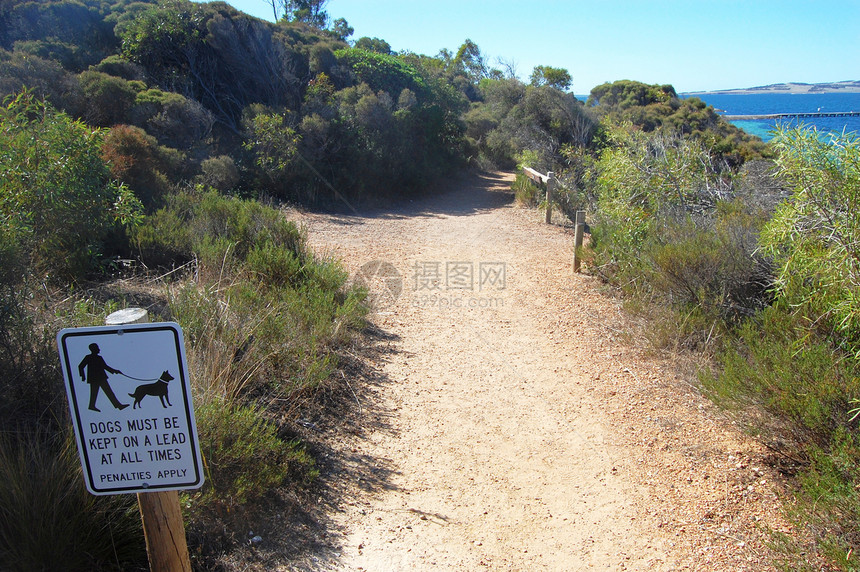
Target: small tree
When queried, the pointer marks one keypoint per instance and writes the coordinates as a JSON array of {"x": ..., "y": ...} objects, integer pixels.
[
  {"x": 274, "y": 145},
  {"x": 471, "y": 61},
  {"x": 373, "y": 45},
  {"x": 309, "y": 11},
  {"x": 558, "y": 78},
  {"x": 341, "y": 29}
]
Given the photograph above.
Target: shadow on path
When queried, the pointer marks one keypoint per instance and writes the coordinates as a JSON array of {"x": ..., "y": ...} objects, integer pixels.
[
  {"x": 297, "y": 526},
  {"x": 464, "y": 194}
]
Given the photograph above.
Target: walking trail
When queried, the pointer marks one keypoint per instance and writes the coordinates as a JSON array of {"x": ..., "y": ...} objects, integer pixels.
[{"x": 518, "y": 426}]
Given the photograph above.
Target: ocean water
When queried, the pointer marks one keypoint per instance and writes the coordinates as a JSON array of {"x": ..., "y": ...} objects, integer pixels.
[{"x": 764, "y": 103}]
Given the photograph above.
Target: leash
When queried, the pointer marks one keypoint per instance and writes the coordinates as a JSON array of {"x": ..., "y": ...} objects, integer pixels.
[{"x": 139, "y": 379}]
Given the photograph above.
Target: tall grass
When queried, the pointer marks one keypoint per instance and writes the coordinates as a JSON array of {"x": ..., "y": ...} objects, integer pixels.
[
  {"x": 526, "y": 192},
  {"x": 48, "y": 521},
  {"x": 263, "y": 316}
]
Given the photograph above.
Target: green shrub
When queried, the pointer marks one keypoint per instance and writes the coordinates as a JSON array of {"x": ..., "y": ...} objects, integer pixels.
[
  {"x": 272, "y": 265},
  {"x": 274, "y": 144},
  {"x": 173, "y": 119},
  {"x": 220, "y": 173},
  {"x": 45, "y": 78},
  {"x": 526, "y": 191},
  {"x": 108, "y": 98},
  {"x": 68, "y": 55},
  {"x": 265, "y": 315},
  {"x": 273, "y": 343},
  {"x": 795, "y": 389},
  {"x": 217, "y": 229},
  {"x": 830, "y": 500},
  {"x": 118, "y": 66},
  {"x": 784, "y": 366},
  {"x": 666, "y": 229},
  {"x": 381, "y": 71},
  {"x": 244, "y": 457},
  {"x": 710, "y": 262}
]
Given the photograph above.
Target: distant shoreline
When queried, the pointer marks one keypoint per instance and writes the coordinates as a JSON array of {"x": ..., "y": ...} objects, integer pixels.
[{"x": 791, "y": 88}]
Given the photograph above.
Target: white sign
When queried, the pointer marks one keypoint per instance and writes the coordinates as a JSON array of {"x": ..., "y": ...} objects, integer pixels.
[{"x": 130, "y": 399}]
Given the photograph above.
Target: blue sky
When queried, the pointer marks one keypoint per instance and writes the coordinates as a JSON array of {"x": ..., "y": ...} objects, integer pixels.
[{"x": 692, "y": 44}]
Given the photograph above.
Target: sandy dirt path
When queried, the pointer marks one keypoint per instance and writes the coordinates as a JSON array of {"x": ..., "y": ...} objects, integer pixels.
[{"x": 516, "y": 429}]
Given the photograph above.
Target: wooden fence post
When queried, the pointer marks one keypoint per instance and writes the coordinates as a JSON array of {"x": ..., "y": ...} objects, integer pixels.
[
  {"x": 160, "y": 512},
  {"x": 550, "y": 189},
  {"x": 577, "y": 240}
]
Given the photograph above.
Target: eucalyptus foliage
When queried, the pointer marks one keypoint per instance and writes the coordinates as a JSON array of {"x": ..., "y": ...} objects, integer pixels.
[{"x": 56, "y": 194}]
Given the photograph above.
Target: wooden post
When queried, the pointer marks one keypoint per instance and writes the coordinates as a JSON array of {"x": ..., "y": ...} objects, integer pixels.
[
  {"x": 550, "y": 188},
  {"x": 160, "y": 512},
  {"x": 577, "y": 239},
  {"x": 164, "y": 531}
]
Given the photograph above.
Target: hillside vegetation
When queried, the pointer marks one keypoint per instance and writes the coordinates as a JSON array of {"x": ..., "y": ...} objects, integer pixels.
[{"x": 147, "y": 147}]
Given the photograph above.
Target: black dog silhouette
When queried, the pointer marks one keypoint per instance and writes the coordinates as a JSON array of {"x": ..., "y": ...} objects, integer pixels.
[{"x": 157, "y": 389}]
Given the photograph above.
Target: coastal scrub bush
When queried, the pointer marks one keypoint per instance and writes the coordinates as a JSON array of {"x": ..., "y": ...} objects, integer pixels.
[
  {"x": 216, "y": 229},
  {"x": 45, "y": 78},
  {"x": 264, "y": 315},
  {"x": 173, "y": 119},
  {"x": 794, "y": 388},
  {"x": 795, "y": 367},
  {"x": 263, "y": 320},
  {"x": 641, "y": 177},
  {"x": 56, "y": 193},
  {"x": 381, "y": 71},
  {"x": 118, "y": 66},
  {"x": 245, "y": 458},
  {"x": 710, "y": 261},
  {"x": 543, "y": 121},
  {"x": 274, "y": 145},
  {"x": 108, "y": 99},
  {"x": 220, "y": 173},
  {"x": 815, "y": 236},
  {"x": 136, "y": 159},
  {"x": 783, "y": 365},
  {"x": 669, "y": 229}
]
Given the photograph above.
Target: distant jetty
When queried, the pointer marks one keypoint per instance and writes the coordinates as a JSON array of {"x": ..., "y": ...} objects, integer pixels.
[{"x": 810, "y": 115}]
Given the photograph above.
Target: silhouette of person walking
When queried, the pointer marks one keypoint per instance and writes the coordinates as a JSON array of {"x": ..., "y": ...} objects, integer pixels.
[{"x": 96, "y": 368}]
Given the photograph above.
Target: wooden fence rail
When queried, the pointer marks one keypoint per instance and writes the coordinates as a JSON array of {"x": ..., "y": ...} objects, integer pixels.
[{"x": 551, "y": 185}]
